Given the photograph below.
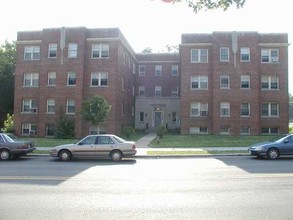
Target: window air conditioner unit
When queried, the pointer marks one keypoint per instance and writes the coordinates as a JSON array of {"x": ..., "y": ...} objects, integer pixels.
[
  {"x": 32, "y": 132},
  {"x": 33, "y": 110},
  {"x": 274, "y": 59},
  {"x": 204, "y": 113}
]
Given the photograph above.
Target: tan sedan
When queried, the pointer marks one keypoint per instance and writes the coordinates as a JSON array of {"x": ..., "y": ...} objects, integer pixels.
[{"x": 96, "y": 146}]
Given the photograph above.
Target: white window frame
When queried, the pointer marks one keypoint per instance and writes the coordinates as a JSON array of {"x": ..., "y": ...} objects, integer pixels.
[
  {"x": 199, "y": 55},
  {"x": 224, "y": 54},
  {"x": 51, "y": 79},
  {"x": 32, "y": 53},
  {"x": 268, "y": 55},
  {"x": 100, "y": 51},
  {"x": 71, "y": 78},
  {"x": 225, "y": 109},
  {"x": 245, "y": 109},
  {"x": 30, "y": 79},
  {"x": 198, "y": 130},
  {"x": 269, "y": 81},
  {"x": 202, "y": 82},
  {"x": 70, "y": 106},
  {"x": 224, "y": 85},
  {"x": 141, "y": 70},
  {"x": 52, "y": 50},
  {"x": 31, "y": 129},
  {"x": 141, "y": 91},
  {"x": 72, "y": 50},
  {"x": 158, "y": 91},
  {"x": 101, "y": 78},
  {"x": 245, "y": 80},
  {"x": 174, "y": 70},
  {"x": 245, "y": 54},
  {"x": 51, "y": 106},
  {"x": 158, "y": 70},
  {"x": 198, "y": 109},
  {"x": 29, "y": 106},
  {"x": 270, "y": 109}
]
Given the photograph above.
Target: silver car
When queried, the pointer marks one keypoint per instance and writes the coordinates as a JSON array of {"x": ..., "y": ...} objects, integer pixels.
[
  {"x": 12, "y": 146},
  {"x": 102, "y": 146},
  {"x": 281, "y": 145}
]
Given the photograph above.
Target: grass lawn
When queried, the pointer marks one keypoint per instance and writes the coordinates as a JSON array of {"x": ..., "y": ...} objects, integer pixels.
[{"x": 193, "y": 141}]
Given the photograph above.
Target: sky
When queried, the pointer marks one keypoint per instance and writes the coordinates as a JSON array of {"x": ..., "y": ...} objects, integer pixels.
[{"x": 146, "y": 23}]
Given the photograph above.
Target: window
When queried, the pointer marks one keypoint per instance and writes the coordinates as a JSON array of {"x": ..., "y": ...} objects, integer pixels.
[
  {"x": 158, "y": 70},
  {"x": 245, "y": 130},
  {"x": 245, "y": 109},
  {"x": 269, "y": 82},
  {"x": 141, "y": 91},
  {"x": 198, "y": 130},
  {"x": 72, "y": 50},
  {"x": 50, "y": 130},
  {"x": 245, "y": 82},
  {"x": 225, "y": 109},
  {"x": 70, "y": 106},
  {"x": 100, "y": 51},
  {"x": 50, "y": 105},
  {"x": 158, "y": 91},
  {"x": 51, "y": 79},
  {"x": 245, "y": 54},
  {"x": 198, "y": 109},
  {"x": 28, "y": 129},
  {"x": 224, "y": 82},
  {"x": 32, "y": 53},
  {"x": 270, "y": 130},
  {"x": 199, "y": 55},
  {"x": 224, "y": 54},
  {"x": 133, "y": 68},
  {"x": 29, "y": 106},
  {"x": 141, "y": 116},
  {"x": 31, "y": 80},
  {"x": 52, "y": 52},
  {"x": 224, "y": 130},
  {"x": 141, "y": 70},
  {"x": 199, "y": 82},
  {"x": 269, "y": 110},
  {"x": 174, "y": 70},
  {"x": 269, "y": 55},
  {"x": 99, "y": 79},
  {"x": 71, "y": 78},
  {"x": 175, "y": 91}
]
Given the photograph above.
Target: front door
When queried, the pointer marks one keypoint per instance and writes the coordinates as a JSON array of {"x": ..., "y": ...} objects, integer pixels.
[{"x": 158, "y": 119}]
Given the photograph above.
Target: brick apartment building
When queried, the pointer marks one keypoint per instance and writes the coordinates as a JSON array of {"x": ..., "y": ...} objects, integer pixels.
[{"x": 222, "y": 83}]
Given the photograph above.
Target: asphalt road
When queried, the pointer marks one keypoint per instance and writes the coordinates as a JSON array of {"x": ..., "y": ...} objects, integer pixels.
[{"x": 195, "y": 188}]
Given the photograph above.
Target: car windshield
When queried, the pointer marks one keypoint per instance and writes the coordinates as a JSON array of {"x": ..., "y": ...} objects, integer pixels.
[
  {"x": 11, "y": 137},
  {"x": 119, "y": 139},
  {"x": 278, "y": 138}
]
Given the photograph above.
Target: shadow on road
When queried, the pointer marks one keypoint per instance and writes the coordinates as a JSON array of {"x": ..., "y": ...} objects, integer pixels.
[{"x": 48, "y": 171}]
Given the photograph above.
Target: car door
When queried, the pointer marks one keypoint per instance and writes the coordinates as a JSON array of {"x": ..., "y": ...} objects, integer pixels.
[
  {"x": 287, "y": 146},
  {"x": 104, "y": 146},
  {"x": 86, "y": 147}
]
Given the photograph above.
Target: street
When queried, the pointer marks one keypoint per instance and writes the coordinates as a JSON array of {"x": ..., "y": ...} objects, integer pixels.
[{"x": 222, "y": 187}]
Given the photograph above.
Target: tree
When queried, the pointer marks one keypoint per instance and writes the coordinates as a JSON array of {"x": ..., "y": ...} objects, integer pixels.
[
  {"x": 64, "y": 126},
  {"x": 147, "y": 50},
  {"x": 7, "y": 68},
  {"x": 8, "y": 124},
  {"x": 95, "y": 110},
  {"x": 199, "y": 5}
]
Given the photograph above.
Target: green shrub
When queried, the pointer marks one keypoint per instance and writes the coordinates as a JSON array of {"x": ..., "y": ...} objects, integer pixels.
[
  {"x": 161, "y": 131},
  {"x": 290, "y": 130},
  {"x": 8, "y": 124},
  {"x": 128, "y": 131}
]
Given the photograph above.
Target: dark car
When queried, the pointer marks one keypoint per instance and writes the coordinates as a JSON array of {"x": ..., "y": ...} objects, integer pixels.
[
  {"x": 104, "y": 146},
  {"x": 12, "y": 146},
  {"x": 281, "y": 145}
]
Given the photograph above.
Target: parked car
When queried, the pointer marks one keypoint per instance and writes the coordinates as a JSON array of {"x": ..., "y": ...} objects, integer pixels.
[
  {"x": 102, "y": 146},
  {"x": 281, "y": 145},
  {"x": 12, "y": 146}
]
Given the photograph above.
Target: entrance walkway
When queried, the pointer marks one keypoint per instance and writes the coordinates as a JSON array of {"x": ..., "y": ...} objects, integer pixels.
[{"x": 144, "y": 141}]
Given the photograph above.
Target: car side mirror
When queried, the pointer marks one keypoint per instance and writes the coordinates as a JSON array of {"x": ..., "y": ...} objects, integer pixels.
[{"x": 286, "y": 141}]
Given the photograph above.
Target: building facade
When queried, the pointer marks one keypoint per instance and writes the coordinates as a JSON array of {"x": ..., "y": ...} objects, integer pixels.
[{"x": 222, "y": 83}]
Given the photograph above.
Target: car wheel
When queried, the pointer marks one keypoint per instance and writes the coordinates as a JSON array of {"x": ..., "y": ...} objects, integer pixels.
[
  {"x": 116, "y": 155},
  {"x": 5, "y": 154},
  {"x": 64, "y": 155},
  {"x": 273, "y": 153}
]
